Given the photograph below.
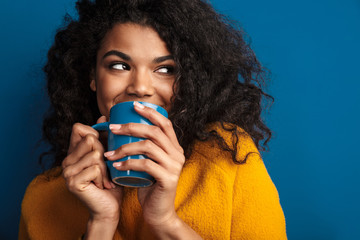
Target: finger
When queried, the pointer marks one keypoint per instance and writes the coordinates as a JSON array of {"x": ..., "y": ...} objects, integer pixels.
[
  {"x": 81, "y": 181},
  {"x": 148, "y": 166},
  {"x": 79, "y": 131},
  {"x": 159, "y": 120},
  {"x": 101, "y": 119},
  {"x": 87, "y": 144},
  {"x": 145, "y": 131},
  {"x": 103, "y": 135},
  {"x": 149, "y": 149},
  {"x": 90, "y": 159}
]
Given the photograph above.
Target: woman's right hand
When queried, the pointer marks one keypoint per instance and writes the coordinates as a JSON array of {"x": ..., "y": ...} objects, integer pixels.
[{"x": 86, "y": 177}]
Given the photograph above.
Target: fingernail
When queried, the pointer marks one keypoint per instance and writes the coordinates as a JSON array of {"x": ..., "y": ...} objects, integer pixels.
[
  {"x": 115, "y": 126},
  {"x": 109, "y": 154},
  {"x": 107, "y": 184},
  {"x": 117, "y": 164},
  {"x": 139, "y": 105}
]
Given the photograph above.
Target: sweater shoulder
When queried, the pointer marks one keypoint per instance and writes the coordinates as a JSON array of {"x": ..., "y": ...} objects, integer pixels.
[
  {"x": 43, "y": 188},
  {"x": 45, "y": 193},
  {"x": 46, "y": 181},
  {"x": 46, "y": 177}
]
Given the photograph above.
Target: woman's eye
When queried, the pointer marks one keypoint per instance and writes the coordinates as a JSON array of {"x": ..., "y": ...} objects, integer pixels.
[
  {"x": 120, "y": 66},
  {"x": 167, "y": 70}
]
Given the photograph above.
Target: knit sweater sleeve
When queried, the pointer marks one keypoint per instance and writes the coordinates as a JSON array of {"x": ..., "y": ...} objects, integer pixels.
[
  {"x": 257, "y": 213},
  {"x": 50, "y": 211}
]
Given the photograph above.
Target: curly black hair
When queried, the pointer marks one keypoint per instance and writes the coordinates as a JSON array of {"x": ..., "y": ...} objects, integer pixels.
[{"x": 219, "y": 78}]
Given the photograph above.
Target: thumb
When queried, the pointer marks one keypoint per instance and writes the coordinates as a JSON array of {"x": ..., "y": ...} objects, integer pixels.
[
  {"x": 102, "y": 134},
  {"x": 101, "y": 119}
]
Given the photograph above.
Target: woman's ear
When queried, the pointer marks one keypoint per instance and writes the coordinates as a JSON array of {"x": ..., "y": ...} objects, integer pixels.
[
  {"x": 93, "y": 85},
  {"x": 92, "y": 82}
]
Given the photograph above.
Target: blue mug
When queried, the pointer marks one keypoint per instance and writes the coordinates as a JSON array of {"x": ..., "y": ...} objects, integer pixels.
[{"x": 123, "y": 113}]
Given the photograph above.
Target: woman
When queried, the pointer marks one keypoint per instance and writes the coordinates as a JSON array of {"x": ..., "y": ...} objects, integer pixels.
[{"x": 183, "y": 56}]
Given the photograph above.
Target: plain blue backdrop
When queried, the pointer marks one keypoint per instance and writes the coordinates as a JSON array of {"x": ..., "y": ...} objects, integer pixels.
[{"x": 310, "y": 46}]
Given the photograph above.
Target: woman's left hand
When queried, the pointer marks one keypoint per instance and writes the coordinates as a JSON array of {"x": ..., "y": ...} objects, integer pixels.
[{"x": 165, "y": 164}]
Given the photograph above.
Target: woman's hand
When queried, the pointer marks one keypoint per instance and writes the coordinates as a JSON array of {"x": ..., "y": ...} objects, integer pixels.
[
  {"x": 86, "y": 177},
  {"x": 166, "y": 160}
]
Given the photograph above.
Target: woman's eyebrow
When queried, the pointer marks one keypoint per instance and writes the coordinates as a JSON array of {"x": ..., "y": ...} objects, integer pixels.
[
  {"x": 128, "y": 58},
  {"x": 163, "y": 58},
  {"x": 117, "y": 53}
]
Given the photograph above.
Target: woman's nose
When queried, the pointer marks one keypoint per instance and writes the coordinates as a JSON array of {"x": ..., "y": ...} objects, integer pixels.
[{"x": 141, "y": 84}]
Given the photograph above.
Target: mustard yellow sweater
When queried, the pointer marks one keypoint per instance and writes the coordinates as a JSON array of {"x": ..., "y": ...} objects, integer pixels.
[{"x": 217, "y": 198}]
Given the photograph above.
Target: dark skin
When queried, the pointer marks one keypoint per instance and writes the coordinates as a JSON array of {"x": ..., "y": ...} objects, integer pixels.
[{"x": 133, "y": 64}]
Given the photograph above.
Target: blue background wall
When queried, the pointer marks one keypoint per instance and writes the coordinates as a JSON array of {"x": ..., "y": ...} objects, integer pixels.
[{"x": 312, "y": 49}]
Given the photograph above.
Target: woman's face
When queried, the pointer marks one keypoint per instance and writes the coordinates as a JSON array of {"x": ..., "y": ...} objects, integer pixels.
[{"x": 133, "y": 64}]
